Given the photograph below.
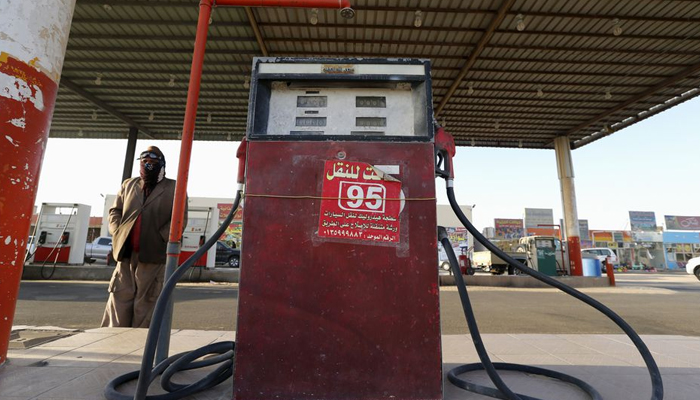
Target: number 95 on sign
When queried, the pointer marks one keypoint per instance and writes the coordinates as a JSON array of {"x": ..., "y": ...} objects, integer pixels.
[{"x": 366, "y": 197}]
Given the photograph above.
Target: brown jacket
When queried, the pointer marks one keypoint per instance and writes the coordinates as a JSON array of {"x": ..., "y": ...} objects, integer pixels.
[{"x": 155, "y": 219}]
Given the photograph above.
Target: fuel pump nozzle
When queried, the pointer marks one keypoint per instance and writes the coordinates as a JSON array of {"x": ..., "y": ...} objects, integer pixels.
[
  {"x": 241, "y": 155},
  {"x": 444, "y": 153}
]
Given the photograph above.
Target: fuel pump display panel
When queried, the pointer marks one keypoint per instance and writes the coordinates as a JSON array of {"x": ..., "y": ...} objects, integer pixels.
[
  {"x": 351, "y": 99},
  {"x": 341, "y": 112}
]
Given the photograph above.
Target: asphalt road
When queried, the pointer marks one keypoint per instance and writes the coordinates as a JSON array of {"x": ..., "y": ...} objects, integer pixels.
[{"x": 659, "y": 303}]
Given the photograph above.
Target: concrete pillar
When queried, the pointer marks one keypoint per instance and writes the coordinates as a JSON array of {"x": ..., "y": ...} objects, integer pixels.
[
  {"x": 130, "y": 153},
  {"x": 565, "y": 170},
  {"x": 33, "y": 39}
]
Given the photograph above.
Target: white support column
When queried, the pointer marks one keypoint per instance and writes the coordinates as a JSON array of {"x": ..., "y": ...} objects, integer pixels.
[{"x": 565, "y": 170}]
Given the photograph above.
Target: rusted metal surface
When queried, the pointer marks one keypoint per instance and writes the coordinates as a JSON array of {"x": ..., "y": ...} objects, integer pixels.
[
  {"x": 33, "y": 37},
  {"x": 335, "y": 318}
]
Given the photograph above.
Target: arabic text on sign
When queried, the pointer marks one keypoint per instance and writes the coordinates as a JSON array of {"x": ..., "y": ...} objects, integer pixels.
[
  {"x": 342, "y": 170},
  {"x": 338, "y": 69}
]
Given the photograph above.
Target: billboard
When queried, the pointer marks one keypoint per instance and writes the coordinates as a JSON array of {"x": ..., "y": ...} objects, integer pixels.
[
  {"x": 507, "y": 228},
  {"x": 611, "y": 237},
  {"x": 644, "y": 221},
  {"x": 535, "y": 218},
  {"x": 458, "y": 236},
  {"x": 538, "y": 216},
  {"x": 234, "y": 231},
  {"x": 680, "y": 223},
  {"x": 582, "y": 229}
]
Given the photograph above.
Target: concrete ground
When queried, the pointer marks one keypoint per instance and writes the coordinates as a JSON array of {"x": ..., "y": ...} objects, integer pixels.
[{"x": 78, "y": 367}]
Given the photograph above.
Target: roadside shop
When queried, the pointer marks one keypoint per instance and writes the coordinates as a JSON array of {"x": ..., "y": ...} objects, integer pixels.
[
  {"x": 649, "y": 250},
  {"x": 680, "y": 247}
]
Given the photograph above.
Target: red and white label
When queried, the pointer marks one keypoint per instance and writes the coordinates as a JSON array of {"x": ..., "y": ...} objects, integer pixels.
[{"x": 359, "y": 202}]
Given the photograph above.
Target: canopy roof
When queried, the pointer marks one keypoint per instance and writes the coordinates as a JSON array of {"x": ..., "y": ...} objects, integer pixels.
[{"x": 506, "y": 73}]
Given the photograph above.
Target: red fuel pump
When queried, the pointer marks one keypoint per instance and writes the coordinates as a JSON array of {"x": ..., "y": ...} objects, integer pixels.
[
  {"x": 338, "y": 156},
  {"x": 465, "y": 265},
  {"x": 340, "y": 184},
  {"x": 62, "y": 230}
]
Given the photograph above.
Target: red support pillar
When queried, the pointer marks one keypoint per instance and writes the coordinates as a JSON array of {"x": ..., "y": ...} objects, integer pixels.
[
  {"x": 183, "y": 168},
  {"x": 30, "y": 67}
]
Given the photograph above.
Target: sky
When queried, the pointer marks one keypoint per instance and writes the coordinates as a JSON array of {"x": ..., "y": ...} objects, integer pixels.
[{"x": 653, "y": 165}]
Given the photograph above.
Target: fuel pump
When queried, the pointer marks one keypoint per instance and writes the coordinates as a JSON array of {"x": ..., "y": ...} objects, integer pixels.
[
  {"x": 201, "y": 224},
  {"x": 62, "y": 230},
  {"x": 339, "y": 153},
  {"x": 541, "y": 253},
  {"x": 340, "y": 157}
]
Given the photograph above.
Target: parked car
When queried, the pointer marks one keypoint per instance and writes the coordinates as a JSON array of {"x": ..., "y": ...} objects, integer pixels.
[
  {"x": 99, "y": 249},
  {"x": 602, "y": 253},
  {"x": 227, "y": 255},
  {"x": 693, "y": 267},
  {"x": 31, "y": 248}
]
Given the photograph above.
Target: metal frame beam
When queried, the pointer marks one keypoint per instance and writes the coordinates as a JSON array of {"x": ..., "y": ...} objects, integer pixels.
[
  {"x": 483, "y": 41},
  {"x": 137, "y": 82},
  {"x": 103, "y": 105},
  {"x": 548, "y": 61},
  {"x": 453, "y": 10},
  {"x": 91, "y": 48},
  {"x": 361, "y": 27},
  {"x": 637, "y": 98},
  {"x": 256, "y": 30},
  {"x": 634, "y": 119}
]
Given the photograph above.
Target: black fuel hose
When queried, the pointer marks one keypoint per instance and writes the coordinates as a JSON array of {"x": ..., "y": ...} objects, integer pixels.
[
  {"x": 503, "y": 391},
  {"x": 53, "y": 267},
  {"x": 182, "y": 361}
]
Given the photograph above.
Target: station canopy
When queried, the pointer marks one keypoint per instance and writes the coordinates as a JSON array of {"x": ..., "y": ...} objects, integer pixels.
[{"x": 506, "y": 73}]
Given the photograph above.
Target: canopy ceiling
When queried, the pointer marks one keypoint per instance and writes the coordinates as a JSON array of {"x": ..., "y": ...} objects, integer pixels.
[{"x": 506, "y": 73}]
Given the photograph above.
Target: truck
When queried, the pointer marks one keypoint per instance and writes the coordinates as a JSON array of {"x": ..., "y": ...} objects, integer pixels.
[
  {"x": 99, "y": 249},
  {"x": 490, "y": 262}
]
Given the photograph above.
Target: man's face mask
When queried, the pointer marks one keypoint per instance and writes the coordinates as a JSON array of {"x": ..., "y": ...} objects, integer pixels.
[{"x": 151, "y": 167}]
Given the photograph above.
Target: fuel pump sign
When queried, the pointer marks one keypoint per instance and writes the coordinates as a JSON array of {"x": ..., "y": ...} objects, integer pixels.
[
  {"x": 338, "y": 283},
  {"x": 359, "y": 202}
]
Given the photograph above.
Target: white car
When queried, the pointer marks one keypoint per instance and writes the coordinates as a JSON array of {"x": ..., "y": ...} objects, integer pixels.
[
  {"x": 602, "y": 253},
  {"x": 693, "y": 267}
]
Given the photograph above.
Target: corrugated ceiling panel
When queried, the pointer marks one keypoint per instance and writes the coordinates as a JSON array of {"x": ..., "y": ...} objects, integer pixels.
[{"x": 567, "y": 50}]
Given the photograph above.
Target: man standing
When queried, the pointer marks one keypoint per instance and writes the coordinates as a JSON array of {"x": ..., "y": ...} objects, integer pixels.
[{"x": 139, "y": 222}]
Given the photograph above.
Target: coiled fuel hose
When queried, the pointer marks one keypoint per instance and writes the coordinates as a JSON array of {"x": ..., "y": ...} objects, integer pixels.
[
  {"x": 183, "y": 361},
  {"x": 502, "y": 391}
]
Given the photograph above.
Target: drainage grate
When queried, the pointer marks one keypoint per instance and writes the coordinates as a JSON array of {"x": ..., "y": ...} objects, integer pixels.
[{"x": 28, "y": 338}]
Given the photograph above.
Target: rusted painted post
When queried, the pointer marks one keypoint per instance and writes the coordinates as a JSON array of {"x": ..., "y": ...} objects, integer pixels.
[
  {"x": 33, "y": 39},
  {"x": 565, "y": 168},
  {"x": 610, "y": 270}
]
